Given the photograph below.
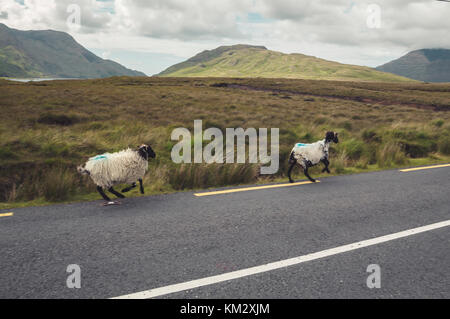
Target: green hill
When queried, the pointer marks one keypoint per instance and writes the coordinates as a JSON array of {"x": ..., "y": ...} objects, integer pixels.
[
  {"x": 257, "y": 61},
  {"x": 49, "y": 53},
  {"x": 429, "y": 65}
]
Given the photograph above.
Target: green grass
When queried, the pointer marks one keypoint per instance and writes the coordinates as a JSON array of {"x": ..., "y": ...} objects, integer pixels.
[
  {"x": 246, "y": 61},
  {"x": 47, "y": 129},
  {"x": 15, "y": 62}
]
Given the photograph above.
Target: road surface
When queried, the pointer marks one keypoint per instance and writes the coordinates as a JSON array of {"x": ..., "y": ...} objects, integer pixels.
[{"x": 216, "y": 246}]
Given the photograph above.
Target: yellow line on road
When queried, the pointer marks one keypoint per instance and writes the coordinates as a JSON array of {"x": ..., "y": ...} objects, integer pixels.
[
  {"x": 7, "y": 215},
  {"x": 424, "y": 167},
  {"x": 237, "y": 190}
]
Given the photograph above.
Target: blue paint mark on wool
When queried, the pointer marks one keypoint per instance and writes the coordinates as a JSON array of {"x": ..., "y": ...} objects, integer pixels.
[
  {"x": 99, "y": 157},
  {"x": 300, "y": 145}
]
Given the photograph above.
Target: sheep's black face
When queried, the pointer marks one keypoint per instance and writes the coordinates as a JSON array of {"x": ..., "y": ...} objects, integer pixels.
[
  {"x": 146, "y": 151},
  {"x": 150, "y": 152},
  {"x": 336, "y": 139},
  {"x": 332, "y": 137}
]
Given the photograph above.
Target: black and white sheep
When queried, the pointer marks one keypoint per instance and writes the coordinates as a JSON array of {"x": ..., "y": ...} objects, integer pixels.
[
  {"x": 308, "y": 155},
  {"x": 124, "y": 167}
]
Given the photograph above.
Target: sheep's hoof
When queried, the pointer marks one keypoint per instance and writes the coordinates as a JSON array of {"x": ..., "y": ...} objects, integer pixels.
[{"x": 111, "y": 203}]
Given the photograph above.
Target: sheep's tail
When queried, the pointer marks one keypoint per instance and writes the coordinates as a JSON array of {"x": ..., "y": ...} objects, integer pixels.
[
  {"x": 292, "y": 159},
  {"x": 83, "y": 171}
]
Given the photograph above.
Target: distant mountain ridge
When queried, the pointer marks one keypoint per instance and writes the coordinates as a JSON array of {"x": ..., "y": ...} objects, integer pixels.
[
  {"x": 208, "y": 55},
  {"x": 429, "y": 65},
  {"x": 257, "y": 61},
  {"x": 48, "y": 53}
]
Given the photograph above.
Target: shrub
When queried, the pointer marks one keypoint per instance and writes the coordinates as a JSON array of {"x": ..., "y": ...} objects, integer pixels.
[
  {"x": 370, "y": 135},
  {"x": 57, "y": 119},
  {"x": 6, "y": 153},
  {"x": 53, "y": 181},
  {"x": 438, "y": 123},
  {"x": 346, "y": 125},
  {"x": 353, "y": 148},
  {"x": 11, "y": 195},
  {"x": 191, "y": 176},
  {"x": 362, "y": 163},
  {"x": 444, "y": 144},
  {"x": 389, "y": 154},
  {"x": 340, "y": 163},
  {"x": 415, "y": 143},
  {"x": 410, "y": 134},
  {"x": 58, "y": 184},
  {"x": 419, "y": 149}
]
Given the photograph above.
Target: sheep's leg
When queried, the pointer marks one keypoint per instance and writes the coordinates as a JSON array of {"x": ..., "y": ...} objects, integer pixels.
[
  {"x": 292, "y": 162},
  {"x": 289, "y": 172},
  {"x": 112, "y": 191},
  {"x": 141, "y": 186},
  {"x": 105, "y": 197},
  {"x": 307, "y": 175},
  {"x": 126, "y": 190},
  {"x": 326, "y": 163}
]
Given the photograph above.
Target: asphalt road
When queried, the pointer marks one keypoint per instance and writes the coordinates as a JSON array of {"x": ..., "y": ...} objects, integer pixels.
[{"x": 156, "y": 241}]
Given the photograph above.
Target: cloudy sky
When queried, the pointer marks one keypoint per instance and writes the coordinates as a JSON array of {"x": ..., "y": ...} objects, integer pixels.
[{"x": 150, "y": 35}]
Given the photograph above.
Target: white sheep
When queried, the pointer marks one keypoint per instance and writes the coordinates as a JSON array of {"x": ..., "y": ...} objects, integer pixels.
[
  {"x": 124, "y": 167},
  {"x": 308, "y": 155}
]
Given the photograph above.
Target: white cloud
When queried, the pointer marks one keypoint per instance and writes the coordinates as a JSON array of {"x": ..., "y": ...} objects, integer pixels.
[
  {"x": 53, "y": 14},
  {"x": 180, "y": 19},
  {"x": 335, "y": 30}
]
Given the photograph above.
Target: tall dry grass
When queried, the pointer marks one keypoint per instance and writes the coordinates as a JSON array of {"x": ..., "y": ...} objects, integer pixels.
[
  {"x": 391, "y": 154},
  {"x": 74, "y": 120}
]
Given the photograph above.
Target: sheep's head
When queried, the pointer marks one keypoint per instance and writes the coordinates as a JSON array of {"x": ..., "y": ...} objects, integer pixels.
[
  {"x": 332, "y": 137},
  {"x": 146, "y": 151}
]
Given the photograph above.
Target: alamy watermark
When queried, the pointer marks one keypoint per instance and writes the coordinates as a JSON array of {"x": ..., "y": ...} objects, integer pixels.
[
  {"x": 374, "y": 16},
  {"x": 374, "y": 279},
  {"x": 74, "y": 279},
  {"x": 234, "y": 152},
  {"x": 74, "y": 19}
]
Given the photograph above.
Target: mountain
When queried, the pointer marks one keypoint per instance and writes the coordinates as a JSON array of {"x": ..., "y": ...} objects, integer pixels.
[
  {"x": 429, "y": 65},
  {"x": 52, "y": 54},
  {"x": 257, "y": 61}
]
